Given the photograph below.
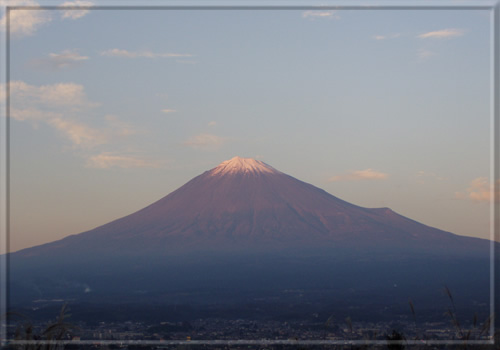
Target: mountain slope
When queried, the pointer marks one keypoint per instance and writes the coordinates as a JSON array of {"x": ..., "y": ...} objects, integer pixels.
[{"x": 247, "y": 204}]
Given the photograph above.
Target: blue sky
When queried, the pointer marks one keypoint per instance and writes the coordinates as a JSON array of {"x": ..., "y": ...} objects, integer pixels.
[{"x": 113, "y": 109}]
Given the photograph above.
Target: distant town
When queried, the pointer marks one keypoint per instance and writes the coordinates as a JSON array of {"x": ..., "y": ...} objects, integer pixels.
[{"x": 247, "y": 332}]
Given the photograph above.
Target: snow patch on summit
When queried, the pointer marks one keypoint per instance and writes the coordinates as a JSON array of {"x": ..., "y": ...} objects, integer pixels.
[{"x": 243, "y": 165}]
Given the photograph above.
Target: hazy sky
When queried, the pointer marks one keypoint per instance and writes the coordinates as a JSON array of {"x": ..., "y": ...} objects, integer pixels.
[{"x": 112, "y": 109}]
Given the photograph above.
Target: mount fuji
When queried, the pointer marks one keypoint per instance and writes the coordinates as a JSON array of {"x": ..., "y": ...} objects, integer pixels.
[
  {"x": 244, "y": 229},
  {"x": 245, "y": 204}
]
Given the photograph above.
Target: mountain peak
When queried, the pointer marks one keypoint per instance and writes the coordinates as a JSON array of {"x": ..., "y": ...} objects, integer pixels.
[{"x": 238, "y": 165}]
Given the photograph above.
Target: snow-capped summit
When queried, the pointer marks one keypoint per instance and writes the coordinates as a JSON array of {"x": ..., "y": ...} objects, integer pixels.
[{"x": 243, "y": 165}]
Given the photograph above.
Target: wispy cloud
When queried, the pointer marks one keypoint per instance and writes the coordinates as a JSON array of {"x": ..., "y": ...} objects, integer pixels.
[
  {"x": 78, "y": 133},
  {"x": 119, "y": 127},
  {"x": 205, "y": 142},
  {"x": 141, "y": 54},
  {"x": 212, "y": 123},
  {"x": 168, "y": 111},
  {"x": 367, "y": 174},
  {"x": 108, "y": 160},
  {"x": 61, "y": 60},
  {"x": 61, "y": 106},
  {"x": 385, "y": 37},
  {"x": 57, "y": 106},
  {"x": 73, "y": 12},
  {"x": 316, "y": 14},
  {"x": 67, "y": 57},
  {"x": 479, "y": 190},
  {"x": 32, "y": 114},
  {"x": 442, "y": 34},
  {"x": 424, "y": 54},
  {"x": 24, "y": 22},
  {"x": 53, "y": 95}
]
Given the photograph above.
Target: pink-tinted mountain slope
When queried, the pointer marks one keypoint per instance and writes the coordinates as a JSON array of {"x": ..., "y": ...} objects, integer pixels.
[{"x": 246, "y": 203}]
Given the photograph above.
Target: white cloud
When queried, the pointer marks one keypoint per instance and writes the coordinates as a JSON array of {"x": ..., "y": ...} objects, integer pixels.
[
  {"x": 479, "y": 190},
  {"x": 23, "y": 22},
  {"x": 80, "y": 134},
  {"x": 56, "y": 105},
  {"x": 32, "y": 114},
  {"x": 442, "y": 34},
  {"x": 424, "y": 54},
  {"x": 119, "y": 127},
  {"x": 63, "y": 59},
  {"x": 61, "y": 106},
  {"x": 74, "y": 13},
  {"x": 384, "y": 37},
  {"x": 212, "y": 123},
  {"x": 65, "y": 94},
  {"x": 143, "y": 54},
  {"x": 331, "y": 14},
  {"x": 205, "y": 142},
  {"x": 54, "y": 95},
  {"x": 108, "y": 160},
  {"x": 367, "y": 174},
  {"x": 168, "y": 111}
]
